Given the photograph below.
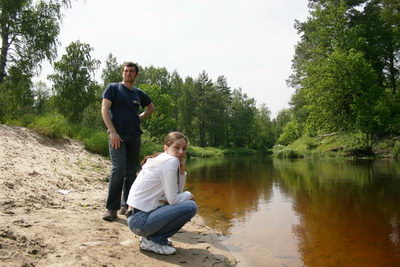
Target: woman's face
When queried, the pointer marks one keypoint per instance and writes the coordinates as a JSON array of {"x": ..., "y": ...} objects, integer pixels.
[{"x": 177, "y": 149}]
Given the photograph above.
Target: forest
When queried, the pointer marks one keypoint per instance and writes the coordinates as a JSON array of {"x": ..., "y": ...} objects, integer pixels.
[{"x": 345, "y": 79}]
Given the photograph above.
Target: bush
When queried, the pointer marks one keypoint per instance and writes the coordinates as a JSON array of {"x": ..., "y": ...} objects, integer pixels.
[
  {"x": 52, "y": 125},
  {"x": 281, "y": 151},
  {"x": 92, "y": 117},
  {"x": 97, "y": 142},
  {"x": 396, "y": 150}
]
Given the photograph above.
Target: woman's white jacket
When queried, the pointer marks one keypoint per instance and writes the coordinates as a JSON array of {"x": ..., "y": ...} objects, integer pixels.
[{"x": 158, "y": 183}]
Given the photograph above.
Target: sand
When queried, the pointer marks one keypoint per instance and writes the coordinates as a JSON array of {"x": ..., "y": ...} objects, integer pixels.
[{"x": 52, "y": 195}]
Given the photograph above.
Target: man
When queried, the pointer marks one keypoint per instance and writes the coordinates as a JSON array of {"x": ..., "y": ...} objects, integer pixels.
[{"x": 120, "y": 110}]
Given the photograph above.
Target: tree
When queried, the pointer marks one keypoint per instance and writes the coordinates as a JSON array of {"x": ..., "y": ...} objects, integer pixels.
[
  {"x": 41, "y": 96},
  {"x": 344, "y": 61},
  {"x": 186, "y": 107},
  {"x": 162, "y": 122},
  {"x": 74, "y": 86},
  {"x": 242, "y": 112},
  {"x": 263, "y": 134},
  {"x": 203, "y": 92},
  {"x": 112, "y": 71},
  {"x": 16, "y": 97},
  {"x": 28, "y": 31},
  {"x": 219, "y": 124},
  {"x": 280, "y": 121}
]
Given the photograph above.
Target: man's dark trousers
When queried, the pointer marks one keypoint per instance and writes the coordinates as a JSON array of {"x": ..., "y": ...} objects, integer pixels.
[{"x": 125, "y": 161}]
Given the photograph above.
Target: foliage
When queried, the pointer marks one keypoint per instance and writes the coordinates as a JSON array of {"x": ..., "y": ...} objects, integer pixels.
[
  {"x": 242, "y": 112},
  {"x": 291, "y": 132},
  {"x": 281, "y": 151},
  {"x": 91, "y": 116},
  {"x": 112, "y": 71},
  {"x": 28, "y": 31},
  {"x": 396, "y": 150},
  {"x": 161, "y": 122},
  {"x": 52, "y": 125},
  {"x": 346, "y": 72},
  {"x": 16, "y": 97},
  {"x": 73, "y": 82},
  {"x": 340, "y": 90},
  {"x": 41, "y": 97},
  {"x": 263, "y": 126},
  {"x": 97, "y": 143}
]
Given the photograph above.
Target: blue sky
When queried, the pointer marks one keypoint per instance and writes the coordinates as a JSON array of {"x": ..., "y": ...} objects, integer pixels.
[{"x": 250, "y": 42}]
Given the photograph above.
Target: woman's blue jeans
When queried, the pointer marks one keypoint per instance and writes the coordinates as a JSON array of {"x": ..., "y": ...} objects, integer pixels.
[{"x": 162, "y": 222}]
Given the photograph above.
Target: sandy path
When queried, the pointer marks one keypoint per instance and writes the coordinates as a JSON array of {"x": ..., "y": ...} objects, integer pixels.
[{"x": 40, "y": 226}]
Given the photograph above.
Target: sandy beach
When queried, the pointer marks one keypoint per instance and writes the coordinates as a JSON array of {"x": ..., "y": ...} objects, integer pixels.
[{"x": 52, "y": 195}]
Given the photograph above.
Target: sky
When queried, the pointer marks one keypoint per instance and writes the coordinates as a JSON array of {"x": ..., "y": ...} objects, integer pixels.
[{"x": 250, "y": 42}]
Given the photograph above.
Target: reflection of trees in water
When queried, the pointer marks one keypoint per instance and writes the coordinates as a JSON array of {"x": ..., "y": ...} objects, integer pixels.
[
  {"x": 228, "y": 189},
  {"x": 349, "y": 211}
]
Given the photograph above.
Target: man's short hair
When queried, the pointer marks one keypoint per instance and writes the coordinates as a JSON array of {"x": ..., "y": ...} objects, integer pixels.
[{"x": 130, "y": 64}]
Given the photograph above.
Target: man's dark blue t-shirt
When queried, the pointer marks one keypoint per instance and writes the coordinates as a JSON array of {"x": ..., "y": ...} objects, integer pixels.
[{"x": 125, "y": 108}]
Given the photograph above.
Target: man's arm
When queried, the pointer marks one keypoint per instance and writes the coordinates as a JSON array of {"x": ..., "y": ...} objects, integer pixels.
[
  {"x": 105, "y": 113},
  {"x": 147, "y": 111}
]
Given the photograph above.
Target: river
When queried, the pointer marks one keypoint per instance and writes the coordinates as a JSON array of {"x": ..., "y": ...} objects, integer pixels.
[{"x": 328, "y": 212}]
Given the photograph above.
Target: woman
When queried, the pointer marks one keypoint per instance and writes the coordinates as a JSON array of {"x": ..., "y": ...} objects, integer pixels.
[{"x": 159, "y": 207}]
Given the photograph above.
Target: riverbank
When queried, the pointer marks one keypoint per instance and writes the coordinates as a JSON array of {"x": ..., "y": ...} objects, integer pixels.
[
  {"x": 96, "y": 141},
  {"x": 52, "y": 195},
  {"x": 349, "y": 145}
]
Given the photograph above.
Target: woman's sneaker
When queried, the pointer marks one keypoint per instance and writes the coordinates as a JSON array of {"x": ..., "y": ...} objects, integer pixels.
[
  {"x": 151, "y": 246},
  {"x": 169, "y": 240}
]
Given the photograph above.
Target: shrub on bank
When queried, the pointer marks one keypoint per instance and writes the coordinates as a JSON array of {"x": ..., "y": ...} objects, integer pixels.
[
  {"x": 287, "y": 153},
  {"x": 97, "y": 143},
  {"x": 396, "y": 150},
  {"x": 239, "y": 151},
  {"x": 52, "y": 125}
]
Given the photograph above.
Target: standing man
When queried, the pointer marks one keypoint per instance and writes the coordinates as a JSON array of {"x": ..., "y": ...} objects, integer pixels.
[{"x": 120, "y": 110}]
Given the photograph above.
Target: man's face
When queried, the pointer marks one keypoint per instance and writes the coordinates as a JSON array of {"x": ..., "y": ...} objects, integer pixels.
[{"x": 129, "y": 74}]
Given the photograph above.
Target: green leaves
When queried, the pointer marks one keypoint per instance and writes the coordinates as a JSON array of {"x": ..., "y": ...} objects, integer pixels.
[
  {"x": 74, "y": 86},
  {"x": 29, "y": 31},
  {"x": 346, "y": 57}
]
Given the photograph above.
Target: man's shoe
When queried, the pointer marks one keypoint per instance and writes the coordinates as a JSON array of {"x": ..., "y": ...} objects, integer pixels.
[
  {"x": 123, "y": 210},
  {"x": 151, "y": 246},
  {"x": 110, "y": 216}
]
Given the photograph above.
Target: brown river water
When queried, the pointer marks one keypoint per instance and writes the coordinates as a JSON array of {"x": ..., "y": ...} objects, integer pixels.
[{"x": 312, "y": 213}]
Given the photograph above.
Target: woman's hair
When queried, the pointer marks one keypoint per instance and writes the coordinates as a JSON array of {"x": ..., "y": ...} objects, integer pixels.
[{"x": 169, "y": 139}]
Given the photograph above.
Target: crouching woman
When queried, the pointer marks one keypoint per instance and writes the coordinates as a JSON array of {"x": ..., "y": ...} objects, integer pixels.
[{"x": 158, "y": 205}]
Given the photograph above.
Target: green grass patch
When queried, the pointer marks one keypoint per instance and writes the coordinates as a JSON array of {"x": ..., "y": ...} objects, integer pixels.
[
  {"x": 97, "y": 143},
  {"x": 52, "y": 125}
]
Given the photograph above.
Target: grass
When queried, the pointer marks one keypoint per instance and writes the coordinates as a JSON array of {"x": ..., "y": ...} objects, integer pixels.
[
  {"x": 96, "y": 140},
  {"x": 335, "y": 145},
  {"x": 51, "y": 125}
]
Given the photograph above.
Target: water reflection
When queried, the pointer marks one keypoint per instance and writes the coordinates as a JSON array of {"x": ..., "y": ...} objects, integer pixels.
[
  {"x": 311, "y": 213},
  {"x": 349, "y": 211},
  {"x": 228, "y": 189}
]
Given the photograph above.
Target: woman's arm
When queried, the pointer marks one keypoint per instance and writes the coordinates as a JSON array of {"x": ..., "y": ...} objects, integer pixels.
[{"x": 169, "y": 180}]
